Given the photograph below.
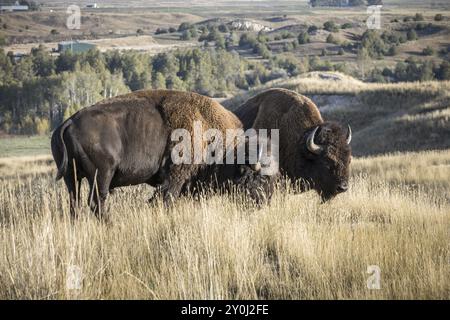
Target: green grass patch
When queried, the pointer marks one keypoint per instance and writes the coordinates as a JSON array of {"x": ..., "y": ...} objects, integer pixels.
[{"x": 24, "y": 146}]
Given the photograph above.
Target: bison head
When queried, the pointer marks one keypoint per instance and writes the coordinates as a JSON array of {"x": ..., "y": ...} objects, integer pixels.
[{"x": 326, "y": 154}]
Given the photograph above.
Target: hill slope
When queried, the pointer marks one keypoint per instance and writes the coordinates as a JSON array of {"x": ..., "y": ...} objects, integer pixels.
[{"x": 384, "y": 117}]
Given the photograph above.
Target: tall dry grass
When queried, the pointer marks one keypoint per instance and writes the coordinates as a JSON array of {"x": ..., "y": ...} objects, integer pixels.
[{"x": 217, "y": 248}]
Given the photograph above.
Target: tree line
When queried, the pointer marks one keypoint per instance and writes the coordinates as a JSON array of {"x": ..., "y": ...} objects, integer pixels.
[{"x": 40, "y": 90}]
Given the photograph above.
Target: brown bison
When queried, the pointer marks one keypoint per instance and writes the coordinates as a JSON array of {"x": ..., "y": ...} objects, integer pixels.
[
  {"x": 313, "y": 151},
  {"x": 126, "y": 141}
]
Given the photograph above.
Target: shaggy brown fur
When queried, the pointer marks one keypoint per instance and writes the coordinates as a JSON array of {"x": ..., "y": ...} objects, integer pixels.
[
  {"x": 296, "y": 116},
  {"x": 126, "y": 141},
  {"x": 287, "y": 111}
]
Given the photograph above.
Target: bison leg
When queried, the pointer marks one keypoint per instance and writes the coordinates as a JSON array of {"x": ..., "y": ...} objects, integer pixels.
[{"x": 99, "y": 190}]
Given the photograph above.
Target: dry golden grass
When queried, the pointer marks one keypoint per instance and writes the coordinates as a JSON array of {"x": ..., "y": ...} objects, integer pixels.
[
  {"x": 335, "y": 83},
  {"x": 216, "y": 248}
]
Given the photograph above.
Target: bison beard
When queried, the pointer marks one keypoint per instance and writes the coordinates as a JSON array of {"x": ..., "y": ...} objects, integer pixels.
[{"x": 125, "y": 141}]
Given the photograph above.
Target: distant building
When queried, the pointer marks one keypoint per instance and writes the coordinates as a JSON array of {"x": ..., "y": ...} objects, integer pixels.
[
  {"x": 12, "y": 8},
  {"x": 75, "y": 46}
]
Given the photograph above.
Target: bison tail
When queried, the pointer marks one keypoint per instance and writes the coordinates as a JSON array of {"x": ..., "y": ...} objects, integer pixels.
[{"x": 59, "y": 141}]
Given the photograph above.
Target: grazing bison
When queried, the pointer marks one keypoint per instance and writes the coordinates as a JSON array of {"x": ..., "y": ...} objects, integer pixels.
[
  {"x": 315, "y": 152},
  {"x": 126, "y": 141}
]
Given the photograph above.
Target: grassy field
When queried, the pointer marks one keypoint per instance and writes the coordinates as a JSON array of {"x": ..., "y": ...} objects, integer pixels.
[
  {"x": 24, "y": 146},
  {"x": 396, "y": 216}
]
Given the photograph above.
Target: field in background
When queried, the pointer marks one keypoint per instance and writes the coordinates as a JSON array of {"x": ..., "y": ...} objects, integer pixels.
[
  {"x": 14, "y": 146},
  {"x": 395, "y": 216}
]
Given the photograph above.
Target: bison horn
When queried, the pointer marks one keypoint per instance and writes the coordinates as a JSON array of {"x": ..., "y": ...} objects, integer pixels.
[
  {"x": 257, "y": 165},
  {"x": 349, "y": 135},
  {"x": 312, "y": 146}
]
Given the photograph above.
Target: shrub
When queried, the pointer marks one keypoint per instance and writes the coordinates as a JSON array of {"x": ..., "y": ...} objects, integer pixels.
[
  {"x": 262, "y": 50},
  {"x": 312, "y": 29},
  {"x": 224, "y": 28},
  {"x": 418, "y": 17},
  {"x": 184, "y": 26},
  {"x": 438, "y": 17},
  {"x": 161, "y": 31},
  {"x": 330, "y": 26},
  {"x": 443, "y": 73},
  {"x": 347, "y": 25},
  {"x": 303, "y": 37},
  {"x": 194, "y": 32},
  {"x": 287, "y": 35},
  {"x": 332, "y": 39},
  {"x": 411, "y": 35},
  {"x": 392, "y": 51},
  {"x": 186, "y": 35},
  {"x": 247, "y": 40},
  {"x": 288, "y": 47},
  {"x": 428, "y": 51},
  {"x": 374, "y": 44}
]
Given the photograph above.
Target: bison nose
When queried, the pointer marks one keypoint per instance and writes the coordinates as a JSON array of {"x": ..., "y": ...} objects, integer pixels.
[{"x": 342, "y": 187}]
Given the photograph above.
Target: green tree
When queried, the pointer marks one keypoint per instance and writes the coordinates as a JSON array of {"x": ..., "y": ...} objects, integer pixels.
[
  {"x": 330, "y": 26},
  {"x": 303, "y": 38},
  {"x": 363, "y": 59},
  {"x": 184, "y": 26},
  {"x": 43, "y": 63},
  {"x": 411, "y": 35},
  {"x": 160, "y": 81},
  {"x": 186, "y": 35},
  {"x": 443, "y": 72}
]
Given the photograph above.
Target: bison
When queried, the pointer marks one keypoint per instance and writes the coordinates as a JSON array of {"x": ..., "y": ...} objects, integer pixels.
[
  {"x": 126, "y": 140},
  {"x": 312, "y": 151}
]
